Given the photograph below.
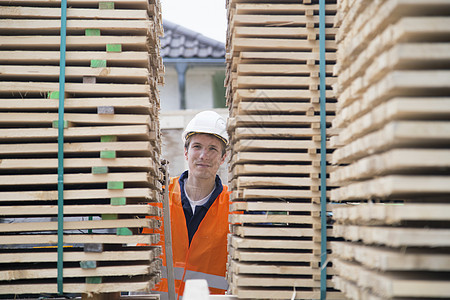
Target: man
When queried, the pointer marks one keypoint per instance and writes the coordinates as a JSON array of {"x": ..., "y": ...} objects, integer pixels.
[{"x": 199, "y": 207}]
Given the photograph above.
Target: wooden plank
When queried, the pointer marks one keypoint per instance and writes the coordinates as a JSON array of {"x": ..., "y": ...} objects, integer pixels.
[
  {"x": 275, "y": 20},
  {"x": 79, "y": 239},
  {"x": 393, "y": 135},
  {"x": 91, "y": 119},
  {"x": 137, "y": 104},
  {"x": 44, "y": 42},
  {"x": 266, "y": 44},
  {"x": 77, "y": 163},
  {"x": 125, "y": 58},
  {"x": 277, "y": 56},
  {"x": 135, "y": 75},
  {"x": 242, "y": 132},
  {"x": 420, "y": 108},
  {"x": 279, "y": 69},
  {"x": 272, "y": 231},
  {"x": 278, "y": 32},
  {"x": 265, "y": 157},
  {"x": 72, "y": 13},
  {"x": 273, "y": 281},
  {"x": 406, "y": 56},
  {"x": 270, "y": 218},
  {"x": 42, "y": 26},
  {"x": 398, "y": 84},
  {"x": 279, "y": 82},
  {"x": 263, "y": 181},
  {"x": 395, "y": 236},
  {"x": 272, "y": 119},
  {"x": 383, "y": 214},
  {"x": 273, "y": 206},
  {"x": 266, "y": 169},
  {"x": 130, "y": 4},
  {"x": 273, "y": 193},
  {"x": 412, "y": 161},
  {"x": 389, "y": 259},
  {"x": 262, "y": 107},
  {"x": 92, "y": 209},
  {"x": 394, "y": 285},
  {"x": 276, "y": 95},
  {"x": 253, "y": 268},
  {"x": 245, "y": 255},
  {"x": 144, "y": 193},
  {"x": 103, "y": 89},
  {"x": 262, "y": 144},
  {"x": 88, "y": 147},
  {"x": 30, "y": 288},
  {"x": 394, "y": 186},
  {"x": 136, "y": 131},
  {"x": 279, "y": 8},
  {"x": 370, "y": 23},
  {"x": 133, "y": 270},
  {"x": 70, "y": 256},
  {"x": 127, "y": 177},
  {"x": 76, "y": 225},
  {"x": 250, "y": 243}
]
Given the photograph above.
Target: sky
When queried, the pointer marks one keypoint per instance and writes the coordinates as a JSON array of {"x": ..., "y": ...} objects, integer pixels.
[{"x": 207, "y": 17}]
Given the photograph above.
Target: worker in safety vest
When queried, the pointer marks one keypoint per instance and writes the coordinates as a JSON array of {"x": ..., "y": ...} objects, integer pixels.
[{"x": 199, "y": 208}]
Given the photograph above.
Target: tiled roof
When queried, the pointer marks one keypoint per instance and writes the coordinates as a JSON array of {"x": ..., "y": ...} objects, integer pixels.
[{"x": 181, "y": 42}]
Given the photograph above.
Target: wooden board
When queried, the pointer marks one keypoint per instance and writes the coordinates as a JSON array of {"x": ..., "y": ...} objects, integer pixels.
[
  {"x": 390, "y": 259},
  {"x": 125, "y": 58},
  {"x": 396, "y": 161},
  {"x": 274, "y": 257},
  {"x": 395, "y": 237},
  {"x": 47, "y": 42},
  {"x": 399, "y": 108},
  {"x": 132, "y": 163},
  {"x": 79, "y": 238},
  {"x": 133, "y": 270},
  {"x": 387, "y": 285},
  {"x": 281, "y": 269},
  {"x": 126, "y": 177},
  {"x": 122, "y": 147},
  {"x": 72, "y": 13},
  {"x": 274, "y": 193},
  {"x": 80, "y": 210},
  {"x": 394, "y": 187},
  {"x": 134, "y": 75},
  {"x": 72, "y": 256},
  {"x": 143, "y": 285},
  {"x": 137, "y": 132},
  {"x": 250, "y": 243},
  {"x": 271, "y": 218},
  {"x": 395, "y": 134}
]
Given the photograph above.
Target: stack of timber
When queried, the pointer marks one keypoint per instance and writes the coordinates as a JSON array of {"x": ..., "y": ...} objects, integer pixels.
[
  {"x": 393, "y": 149},
  {"x": 111, "y": 145},
  {"x": 273, "y": 98}
]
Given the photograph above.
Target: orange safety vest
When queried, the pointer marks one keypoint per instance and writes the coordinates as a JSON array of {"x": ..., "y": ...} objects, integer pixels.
[{"x": 206, "y": 257}]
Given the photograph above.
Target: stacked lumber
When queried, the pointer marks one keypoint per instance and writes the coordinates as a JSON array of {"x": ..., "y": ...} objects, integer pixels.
[
  {"x": 273, "y": 98},
  {"x": 111, "y": 145},
  {"x": 393, "y": 156}
]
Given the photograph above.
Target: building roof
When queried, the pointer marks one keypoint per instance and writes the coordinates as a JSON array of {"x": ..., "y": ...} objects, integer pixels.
[{"x": 181, "y": 42}]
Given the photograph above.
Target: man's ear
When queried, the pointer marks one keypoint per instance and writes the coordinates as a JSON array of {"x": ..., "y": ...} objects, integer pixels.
[
  {"x": 185, "y": 153},
  {"x": 224, "y": 156}
]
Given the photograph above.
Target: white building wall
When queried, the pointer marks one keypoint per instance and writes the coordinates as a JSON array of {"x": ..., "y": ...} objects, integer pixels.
[{"x": 199, "y": 89}]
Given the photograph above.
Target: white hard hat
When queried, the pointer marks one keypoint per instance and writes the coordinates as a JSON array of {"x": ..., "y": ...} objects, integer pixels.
[{"x": 207, "y": 122}]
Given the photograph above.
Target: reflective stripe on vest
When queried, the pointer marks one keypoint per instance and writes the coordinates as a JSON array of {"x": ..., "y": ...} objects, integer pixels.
[
  {"x": 178, "y": 272},
  {"x": 214, "y": 281}
]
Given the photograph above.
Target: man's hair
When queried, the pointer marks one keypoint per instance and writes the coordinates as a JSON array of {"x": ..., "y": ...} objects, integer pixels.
[{"x": 188, "y": 141}]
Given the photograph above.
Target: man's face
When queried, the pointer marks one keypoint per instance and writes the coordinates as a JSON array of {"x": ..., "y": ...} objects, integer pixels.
[{"x": 204, "y": 156}]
